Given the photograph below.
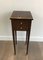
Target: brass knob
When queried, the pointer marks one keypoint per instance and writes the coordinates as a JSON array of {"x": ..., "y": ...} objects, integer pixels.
[
  {"x": 20, "y": 27},
  {"x": 21, "y": 23}
]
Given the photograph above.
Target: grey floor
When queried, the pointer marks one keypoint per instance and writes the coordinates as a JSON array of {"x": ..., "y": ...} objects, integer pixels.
[{"x": 35, "y": 51}]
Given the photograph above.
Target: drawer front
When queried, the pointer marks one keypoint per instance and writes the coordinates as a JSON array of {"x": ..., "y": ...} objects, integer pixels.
[{"x": 21, "y": 24}]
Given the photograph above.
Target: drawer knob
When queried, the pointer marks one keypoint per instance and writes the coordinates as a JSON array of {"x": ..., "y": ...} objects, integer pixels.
[
  {"x": 21, "y": 22},
  {"x": 20, "y": 27}
]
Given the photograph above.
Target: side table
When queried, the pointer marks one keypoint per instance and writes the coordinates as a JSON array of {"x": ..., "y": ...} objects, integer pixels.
[{"x": 21, "y": 21}]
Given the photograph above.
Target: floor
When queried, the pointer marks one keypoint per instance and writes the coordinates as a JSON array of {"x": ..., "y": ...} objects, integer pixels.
[{"x": 7, "y": 53}]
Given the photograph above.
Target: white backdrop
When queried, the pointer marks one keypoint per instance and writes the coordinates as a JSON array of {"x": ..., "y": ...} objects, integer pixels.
[{"x": 36, "y": 8}]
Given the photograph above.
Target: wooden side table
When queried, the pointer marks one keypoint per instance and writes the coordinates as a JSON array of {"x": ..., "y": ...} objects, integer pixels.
[{"x": 21, "y": 21}]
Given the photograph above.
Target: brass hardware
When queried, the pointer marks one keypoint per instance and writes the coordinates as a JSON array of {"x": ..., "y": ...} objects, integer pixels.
[
  {"x": 21, "y": 22},
  {"x": 20, "y": 27}
]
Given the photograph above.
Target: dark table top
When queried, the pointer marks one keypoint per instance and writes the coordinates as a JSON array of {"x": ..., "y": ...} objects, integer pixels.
[{"x": 21, "y": 15}]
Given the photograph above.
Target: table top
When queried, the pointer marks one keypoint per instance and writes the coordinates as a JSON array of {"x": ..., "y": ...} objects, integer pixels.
[{"x": 21, "y": 15}]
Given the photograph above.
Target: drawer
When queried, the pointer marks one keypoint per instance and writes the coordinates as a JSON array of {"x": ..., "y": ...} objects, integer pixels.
[{"x": 21, "y": 24}]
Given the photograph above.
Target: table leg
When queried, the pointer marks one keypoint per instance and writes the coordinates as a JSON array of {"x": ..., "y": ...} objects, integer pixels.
[
  {"x": 16, "y": 36},
  {"x": 14, "y": 41},
  {"x": 28, "y": 35}
]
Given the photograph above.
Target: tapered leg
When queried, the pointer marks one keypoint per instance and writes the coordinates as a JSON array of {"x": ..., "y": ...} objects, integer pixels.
[
  {"x": 16, "y": 36},
  {"x": 14, "y": 42},
  {"x": 28, "y": 35},
  {"x": 13, "y": 38}
]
